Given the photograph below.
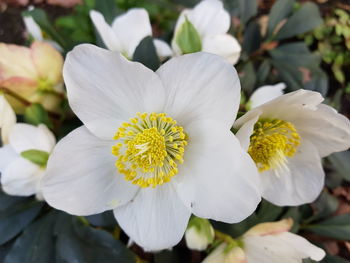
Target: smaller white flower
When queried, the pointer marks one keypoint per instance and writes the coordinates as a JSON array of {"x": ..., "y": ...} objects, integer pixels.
[
  {"x": 7, "y": 118},
  {"x": 210, "y": 22},
  {"x": 287, "y": 137},
  {"x": 265, "y": 94},
  {"x": 267, "y": 243},
  {"x": 199, "y": 234},
  {"x": 23, "y": 159},
  {"x": 36, "y": 33},
  {"x": 127, "y": 31}
]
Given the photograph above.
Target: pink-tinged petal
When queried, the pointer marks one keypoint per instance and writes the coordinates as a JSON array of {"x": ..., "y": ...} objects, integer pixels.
[
  {"x": 48, "y": 62},
  {"x": 270, "y": 228},
  {"x": 16, "y": 61}
]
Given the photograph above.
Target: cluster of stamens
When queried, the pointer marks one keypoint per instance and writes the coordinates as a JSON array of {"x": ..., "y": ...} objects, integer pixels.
[
  {"x": 271, "y": 142},
  {"x": 149, "y": 149}
]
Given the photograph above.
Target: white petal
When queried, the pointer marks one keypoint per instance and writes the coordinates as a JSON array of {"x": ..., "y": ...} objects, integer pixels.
[
  {"x": 81, "y": 176},
  {"x": 131, "y": 28},
  {"x": 7, "y": 155},
  {"x": 33, "y": 28},
  {"x": 106, "y": 32},
  {"x": 223, "y": 45},
  {"x": 301, "y": 98},
  {"x": 155, "y": 219},
  {"x": 218, "y": 179},
  {"x": 265, "y": 94},
  {"x": 285, "y": 247},
  {"x": 103, "y": 88},
  {"x": 25, "y": 137},
  {"x": 328, "y": 130},
  {"x": 200, "y": 86},
  {"x": 210, "y": 18},
  {"x": 7, "y": 118},
  {"x": 302, "y": 184},
  {"x": 244, "y": 133},
  {"x": 20, "y": 177},
  {"x": 163, "y": 49}
]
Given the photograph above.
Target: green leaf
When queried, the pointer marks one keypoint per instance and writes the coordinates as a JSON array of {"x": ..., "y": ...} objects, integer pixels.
[
  {"x": 146, "y": 54},
  {"x": 188, "y": 38},
  {"x": 42, "y": 20},
  {"x": 334, "y": 259},
  {"x": 341, "y": 164},
  {"x": 263, "y": 72},
  {"x": 289, "y": 74},
  {"x": 268, "y": 212},
  {"x": 337, "y": 227},
  {"x": 108, "y": 8},
  {"x": 252, "y": 39},
  {"x": 247, "y": 9},
  {"x": 248, "y": 77},
  {"x": 279, "y": 11},
  {"x": 318, "y": 82},
  {"x": 36, "y": 114},
  {"x": 36, "y": 156},
  {"x": 15, "y": 214},
  {"x": 305, "y": 19},
  {"x": 326, "y": 204},
  {"x": 36, "y": 244}
]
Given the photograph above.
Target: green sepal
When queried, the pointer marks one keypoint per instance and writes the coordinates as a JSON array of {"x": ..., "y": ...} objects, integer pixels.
[
  {"x": 36, "y": 156},
  {"x": 188, "y": 38},
  {"x": 203, "y": 226}
]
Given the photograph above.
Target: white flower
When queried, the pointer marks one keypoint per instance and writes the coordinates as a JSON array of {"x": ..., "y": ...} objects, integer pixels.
[
  {"x": 267, "y": 243},
  {"x": 211, "y": 21},
  {"x": 36, "y": 33},
  {"x": 265, "y": 94},
  {"x": 127, "y": 31},
  {"x": 7, "y": 118},
  {"x": 287, "y": 137},
  {"x": 22, "y": 160},
  {"x": 199, "y": 233},
  {"x": 155, "y": 146}
]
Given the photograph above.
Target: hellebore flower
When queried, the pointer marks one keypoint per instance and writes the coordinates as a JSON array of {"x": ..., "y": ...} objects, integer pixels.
[
  {"x": 204, "y": 28},
  {"x": 127, "y": 31},
  {"x": 23, "y": 159},
  {"x": 287, "y": 137},
  {"x": 265, "y": 94},
  {"x": 199, "y": 233},
  {"x": 33, "y": 73},
  {"x": 155, "y": 146},
  {"x": 267, "y": 243},
  {"x": 7, "y": 118}
]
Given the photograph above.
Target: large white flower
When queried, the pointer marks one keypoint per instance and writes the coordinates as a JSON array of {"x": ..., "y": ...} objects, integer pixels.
[
  {"x": 155, "y": 146},
  {"x": 23, "y": 159},
  {"x": 265, "y": 94},
  {"x": 286, "y": 138},
  {"x": 267, "y": 243},
  {"x": 127, "y": 31},
  {"x": 211, "y": 22},
  {"x": 7, "y": 118}
]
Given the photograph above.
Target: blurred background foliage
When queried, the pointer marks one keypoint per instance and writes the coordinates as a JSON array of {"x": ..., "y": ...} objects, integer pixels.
[{"x": 305, "y": 44}]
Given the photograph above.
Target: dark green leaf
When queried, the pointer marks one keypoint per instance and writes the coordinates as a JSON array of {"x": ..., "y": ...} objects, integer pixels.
[
  {"x": 146, "y": 54},
  {"x": 79, "y": 243},
  {"x": 289, "y": 74},
  {"x": 268, "y": 212},
  {"x": 188, "y": 38},
  {"x": 305, "y": 19},
  {"x": 337, "y": 227},
  {"x": 334, "y": 259},
  {"x": 248, "y": 77},
  {"x": 36, "y": 244},
  {"x": 167, "y": 256},
  {"x": 279, "y": 11},
  {"x": 341, "y": 163},
  {"x": 263, "y": 72},
  {"x": 105, "y": 219},
  {"x": 108, "y": 8},
  {"x": 36, "y": 114},
  {"x": 36, "y": 156},
  {"x": 247, "y": 9},
  {"x": 318, "y": 82},
  {"x": 326, "y": 204},
  {"x": 251, "y": 40},
  {"x": 15, "y": 214}
]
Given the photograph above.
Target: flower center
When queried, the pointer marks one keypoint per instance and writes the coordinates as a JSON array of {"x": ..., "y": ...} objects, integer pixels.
[
  {"x": 149, "y": 148},
  {"x": 271, "y": 142}
]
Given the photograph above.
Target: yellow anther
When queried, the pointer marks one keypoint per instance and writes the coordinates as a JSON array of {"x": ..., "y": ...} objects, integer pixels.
[{"x": 271, "y": 142}]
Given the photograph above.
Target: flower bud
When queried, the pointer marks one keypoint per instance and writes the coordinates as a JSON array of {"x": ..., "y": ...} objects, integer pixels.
[{"x": 199, "y": 233}]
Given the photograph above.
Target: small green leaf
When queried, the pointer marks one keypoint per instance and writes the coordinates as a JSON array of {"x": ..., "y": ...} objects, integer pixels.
[
  {"x": 36, "y": 114},
  {"x": 279, "y": 11},
  {"x": 247, "y": 9},
  {"x": 188, "y": 38},
  {"x": 146, "y": 54},
  {"x": 36, "y": 156},
  {"x": 340, "y": 162}
]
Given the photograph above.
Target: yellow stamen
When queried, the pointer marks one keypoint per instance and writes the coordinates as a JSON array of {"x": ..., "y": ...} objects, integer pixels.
[
  {"x": 149, "y": 148},
  {"x": 271, "y": 142}
]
